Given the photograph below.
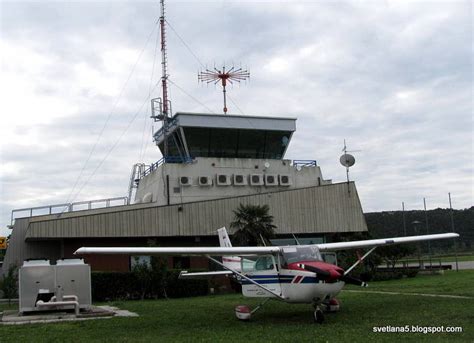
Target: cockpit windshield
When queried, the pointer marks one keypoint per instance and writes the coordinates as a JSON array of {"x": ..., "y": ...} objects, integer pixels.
[{"x": 300, "y": 253}]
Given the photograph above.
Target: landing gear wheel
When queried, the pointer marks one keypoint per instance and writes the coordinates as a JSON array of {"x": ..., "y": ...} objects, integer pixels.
[{"x": 318, "y": 316}]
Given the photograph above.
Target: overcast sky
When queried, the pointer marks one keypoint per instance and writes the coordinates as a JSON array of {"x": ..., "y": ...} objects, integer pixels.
[{"x": 393, "y": 78}]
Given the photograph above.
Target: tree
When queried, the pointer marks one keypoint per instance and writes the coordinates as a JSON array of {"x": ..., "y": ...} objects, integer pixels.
[
  {"x": 159, "y": 275},
  {"x": 143, "y": 274},
  {"x": 10, "y": 283},
  {"x": 393, "y": 253},
  {"x": 252, "y": 224}
]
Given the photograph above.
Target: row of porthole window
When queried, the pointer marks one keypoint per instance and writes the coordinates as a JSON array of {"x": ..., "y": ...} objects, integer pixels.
[{"x": 268, "y": 180}]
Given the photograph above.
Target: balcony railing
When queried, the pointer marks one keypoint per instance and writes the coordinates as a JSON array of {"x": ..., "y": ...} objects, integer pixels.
[
  {"x": 304, "y": 163},
  {"x": 178, "y": 159},
  {"x": 170, "y": 159},
  {"x": 68, "y": 207}
]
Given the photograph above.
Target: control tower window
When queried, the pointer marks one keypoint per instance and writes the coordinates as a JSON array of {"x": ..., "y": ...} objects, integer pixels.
[
  {"x": 236, "y": 143},
  {"x": 223, "y": 143},
  {"x": 198, "y": 141},
  {"x": 175, "y": 146}
]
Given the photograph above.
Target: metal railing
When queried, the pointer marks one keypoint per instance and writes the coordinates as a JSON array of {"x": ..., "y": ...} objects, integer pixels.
[
  {"x": 304, "y": 163},
  {"x": 68, "y": 207},
  {"x": 170, "y": 124},
  {"x": 169, "y": 159},
  {"x": 179, "y": 159}
]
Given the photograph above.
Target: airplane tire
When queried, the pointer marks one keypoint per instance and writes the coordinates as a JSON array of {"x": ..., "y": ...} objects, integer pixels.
[{"x": 318, "y": 316}]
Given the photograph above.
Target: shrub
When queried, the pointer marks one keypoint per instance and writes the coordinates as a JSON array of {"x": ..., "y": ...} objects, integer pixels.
[
  {"x": 386, "y": 275},
  {"x": 411, "y": 272},
  {"x": 113, "y": 286},
  {"x": 10, "y": 283},
  {"x": 125, "y": 285},
  {"x": 177, "y": 288}
]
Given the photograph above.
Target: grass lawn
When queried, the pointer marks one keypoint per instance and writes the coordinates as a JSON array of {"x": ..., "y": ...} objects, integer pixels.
[{"x": 211, "y": 318}]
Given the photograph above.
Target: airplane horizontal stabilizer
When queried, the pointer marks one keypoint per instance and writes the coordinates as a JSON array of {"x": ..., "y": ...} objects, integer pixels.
[{"x": 203, "y": 275}]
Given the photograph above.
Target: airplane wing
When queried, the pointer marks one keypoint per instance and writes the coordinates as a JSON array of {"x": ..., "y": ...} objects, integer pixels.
[
  {"x": 182, "y": 251},
  {"x": 383, "y": 241},
  {"x": 252, "y": 251}
]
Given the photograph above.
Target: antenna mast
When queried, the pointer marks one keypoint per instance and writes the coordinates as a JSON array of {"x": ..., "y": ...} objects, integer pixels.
[
  {"x": 347, "y": 160},
  {"x": 164, "y": 71},
  {"x": 161, "y": 107}
]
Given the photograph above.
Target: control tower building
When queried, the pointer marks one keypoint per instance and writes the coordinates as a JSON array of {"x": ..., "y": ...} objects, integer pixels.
[
  {"x": 220, "y": 156},
  {"x": 213, "y": 164}
]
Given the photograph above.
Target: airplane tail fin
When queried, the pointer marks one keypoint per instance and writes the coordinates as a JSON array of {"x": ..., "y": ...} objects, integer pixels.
[
  {"x": 232, "y": 262},
  {"x": 224, "y": 240}
]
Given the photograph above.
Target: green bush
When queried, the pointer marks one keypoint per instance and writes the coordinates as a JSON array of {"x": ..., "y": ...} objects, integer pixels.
[
  {"x": 113, "y": 286},
  {"x": 410, "y": 272},
  {"x": 386, "y": 275},
  {"x": 125, "y": 285},
  {"x": 176, "y": 288},
  {"x": 10, "y": 283}
]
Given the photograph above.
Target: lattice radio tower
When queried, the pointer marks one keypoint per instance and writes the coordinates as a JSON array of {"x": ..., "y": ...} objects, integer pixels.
[{"x": 225, "y": 76}]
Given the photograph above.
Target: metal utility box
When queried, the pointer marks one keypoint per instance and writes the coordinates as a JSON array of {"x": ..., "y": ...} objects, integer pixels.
[
  {"x": 68, "y": 280},
  {"x": 35, "y": 277},
  {"x": 74, "y": 277}
]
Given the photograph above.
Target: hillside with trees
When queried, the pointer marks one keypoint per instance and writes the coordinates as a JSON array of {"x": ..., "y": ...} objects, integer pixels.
[{"x": 393, "y": 224}]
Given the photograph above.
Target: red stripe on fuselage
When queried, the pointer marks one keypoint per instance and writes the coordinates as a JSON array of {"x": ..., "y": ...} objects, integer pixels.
[
  {"x": 297, "y": 279},
  {"x": 334, "y": 271}
]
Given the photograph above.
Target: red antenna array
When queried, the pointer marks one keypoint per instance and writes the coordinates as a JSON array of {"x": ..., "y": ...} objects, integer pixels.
[{"x": 232, "y": 75}]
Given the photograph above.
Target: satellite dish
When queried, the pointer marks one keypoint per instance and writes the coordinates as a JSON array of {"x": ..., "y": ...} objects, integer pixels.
[
  {"x": 347, "y": 160},
  {"x": 267, "y": 165}
]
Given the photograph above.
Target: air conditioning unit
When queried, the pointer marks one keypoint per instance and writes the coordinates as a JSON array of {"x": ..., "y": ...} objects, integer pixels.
[
  {"x": 205, "y": 181},
  {"x": 240, "y": 180},
  {"x": 223, "y": 180},
  {"x": 185, "y": 181},
  {"x": 285, "y": 180},
  {"x": 256, "y": 179},
  {"x": 271, "y": 180}
]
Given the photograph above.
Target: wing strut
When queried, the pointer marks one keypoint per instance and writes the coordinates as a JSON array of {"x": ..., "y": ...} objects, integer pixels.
[
  {"x": 359, "y": 261},
  {"x": 245, "y": 277}
]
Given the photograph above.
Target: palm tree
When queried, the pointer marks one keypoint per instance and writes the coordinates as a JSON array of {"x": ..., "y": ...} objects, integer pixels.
[{"x": 252, "y": 224}]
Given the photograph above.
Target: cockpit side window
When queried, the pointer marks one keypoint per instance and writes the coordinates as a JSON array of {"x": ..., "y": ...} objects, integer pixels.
[{"x": 260, "y": 263}]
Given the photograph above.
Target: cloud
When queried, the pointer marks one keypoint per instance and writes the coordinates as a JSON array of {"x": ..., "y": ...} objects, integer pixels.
[{"x": 392, "y": 78}]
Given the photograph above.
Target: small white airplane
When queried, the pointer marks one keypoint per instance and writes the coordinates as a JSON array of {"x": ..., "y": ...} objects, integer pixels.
[{"x": 293, "y": 274}]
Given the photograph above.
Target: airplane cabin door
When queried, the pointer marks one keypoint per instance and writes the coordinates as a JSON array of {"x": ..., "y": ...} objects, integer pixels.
[{"x": 264, "y": 270}]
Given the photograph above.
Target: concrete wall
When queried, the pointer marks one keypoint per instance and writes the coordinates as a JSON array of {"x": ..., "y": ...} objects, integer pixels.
[
  {"x": 155, "y": 183},
  {"x": 310, "y": 210},
  {"x": 20, "y": 250},
  {"x": 324, "y": 209}
]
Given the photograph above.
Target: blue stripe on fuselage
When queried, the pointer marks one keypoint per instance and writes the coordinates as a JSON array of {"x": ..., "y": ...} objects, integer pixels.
[{"x": 310, "y": 279}]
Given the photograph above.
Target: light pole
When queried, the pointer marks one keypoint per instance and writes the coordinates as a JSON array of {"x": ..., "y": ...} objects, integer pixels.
[
  {"x": 415, "y": 224},
  {"x": 427, "y": 232}
]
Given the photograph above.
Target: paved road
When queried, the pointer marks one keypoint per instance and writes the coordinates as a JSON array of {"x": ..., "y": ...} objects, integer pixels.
[{"x": 462, "y": 264}]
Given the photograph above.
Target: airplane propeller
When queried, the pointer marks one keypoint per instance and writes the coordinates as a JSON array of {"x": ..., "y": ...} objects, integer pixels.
[
  {"x": 353, "y": 281},
  {"x": 325, "y": 275}
]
